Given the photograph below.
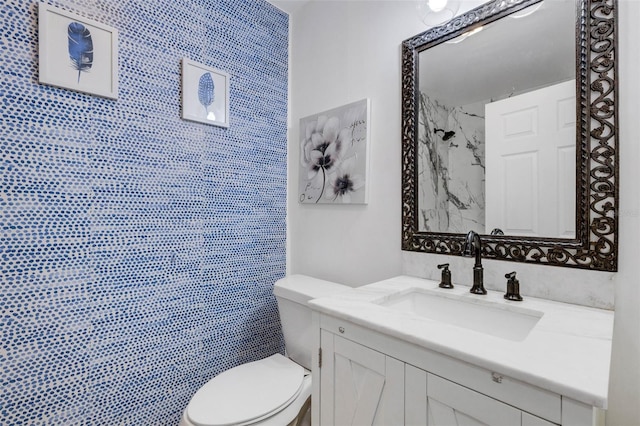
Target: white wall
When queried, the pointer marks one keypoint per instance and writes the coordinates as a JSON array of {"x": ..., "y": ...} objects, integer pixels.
[
  {"x": 624, "y": 389},
  {"x": 343, "y": 51}
]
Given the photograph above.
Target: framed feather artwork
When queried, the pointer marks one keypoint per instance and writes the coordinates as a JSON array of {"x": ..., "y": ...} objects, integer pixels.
[
  {"x": 205, "y": 94},
  {"x": 77, "y": 53}
]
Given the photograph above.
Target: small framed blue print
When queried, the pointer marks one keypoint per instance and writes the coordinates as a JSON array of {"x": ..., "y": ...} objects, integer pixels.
[
  {"x": 205, "y": 94},
  {"x": 77, "y": 53}
]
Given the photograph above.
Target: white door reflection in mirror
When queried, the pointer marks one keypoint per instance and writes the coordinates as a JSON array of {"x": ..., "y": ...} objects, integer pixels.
[{"x": 530, "y": 163}]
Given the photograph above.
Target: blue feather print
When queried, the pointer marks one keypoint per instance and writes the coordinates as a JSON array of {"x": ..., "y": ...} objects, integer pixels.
[
  {"x": 206, "y": 93},
  {"x": 80, "y": 47}
]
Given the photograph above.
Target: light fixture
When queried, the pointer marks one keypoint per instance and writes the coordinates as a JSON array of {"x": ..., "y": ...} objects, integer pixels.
[{"x": 437, "y": 12}]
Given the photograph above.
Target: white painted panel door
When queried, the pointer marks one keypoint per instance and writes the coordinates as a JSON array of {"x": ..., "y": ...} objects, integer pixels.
[
  {"x": 450, "y": 404},
  {"x": 530, "y": 163},
  {"x": 359, "y": 386}
]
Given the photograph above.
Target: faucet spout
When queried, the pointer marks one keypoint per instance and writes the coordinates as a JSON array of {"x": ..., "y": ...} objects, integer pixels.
[{"x": 473, "y": 246}]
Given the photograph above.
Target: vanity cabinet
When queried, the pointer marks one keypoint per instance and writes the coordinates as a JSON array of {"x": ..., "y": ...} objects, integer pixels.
[
  {"x": 368, "y": 378},
  {"x": 360, "y": 386}
]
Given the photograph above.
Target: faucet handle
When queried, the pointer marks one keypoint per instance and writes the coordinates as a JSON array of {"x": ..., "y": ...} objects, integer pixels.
[
  {"x": 513, "y": 287},
  {"x": 445, "y": 281}
]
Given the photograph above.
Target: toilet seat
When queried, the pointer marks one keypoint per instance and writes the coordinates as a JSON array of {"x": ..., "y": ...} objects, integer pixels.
[{"x": 247, "y": 394}]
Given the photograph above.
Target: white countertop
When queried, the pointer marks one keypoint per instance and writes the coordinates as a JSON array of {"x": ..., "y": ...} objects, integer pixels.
[{"x": 567, "y": 352}]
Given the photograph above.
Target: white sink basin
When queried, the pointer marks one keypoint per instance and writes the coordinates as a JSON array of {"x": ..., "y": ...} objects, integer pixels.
[{"x": 500, "y": 320}]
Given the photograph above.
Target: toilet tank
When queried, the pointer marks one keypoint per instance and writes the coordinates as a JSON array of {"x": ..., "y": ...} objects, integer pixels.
[{"x": 293, "y": 293}]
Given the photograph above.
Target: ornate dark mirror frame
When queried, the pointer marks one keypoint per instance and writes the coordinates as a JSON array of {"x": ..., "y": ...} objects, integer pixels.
[{"x": 596, "y": 243}]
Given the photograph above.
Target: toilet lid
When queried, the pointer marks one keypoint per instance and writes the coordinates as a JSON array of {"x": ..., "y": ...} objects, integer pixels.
[{"x": 247, "y": 393}]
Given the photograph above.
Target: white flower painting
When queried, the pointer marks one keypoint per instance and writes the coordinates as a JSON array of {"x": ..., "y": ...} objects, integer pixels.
[{"x": 333, "y": 155}]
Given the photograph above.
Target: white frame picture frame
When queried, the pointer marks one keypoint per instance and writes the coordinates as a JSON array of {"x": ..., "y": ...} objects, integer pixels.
[
  {"x": 56, "y": 65},
  {"x": 334, "y": 155},
  {"x": 206, "y": 103}
]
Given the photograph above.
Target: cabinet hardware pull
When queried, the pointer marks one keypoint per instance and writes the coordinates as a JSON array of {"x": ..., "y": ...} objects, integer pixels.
[
  {"x": 496, "y": 377},
  {"x": 341, "y": 329}
]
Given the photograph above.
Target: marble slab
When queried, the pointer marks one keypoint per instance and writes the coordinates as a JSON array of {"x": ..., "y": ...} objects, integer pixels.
[
  {"x": 451, "y": 170},
  {"x": 567, "y": 352},
  {"x": 584, "y": 287}
]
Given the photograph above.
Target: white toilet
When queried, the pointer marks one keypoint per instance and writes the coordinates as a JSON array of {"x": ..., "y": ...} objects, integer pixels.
[{"x": 276, "y": 390}]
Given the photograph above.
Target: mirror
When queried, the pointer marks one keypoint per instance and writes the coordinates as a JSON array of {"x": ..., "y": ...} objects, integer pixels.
[
  {"x": 484, "y": 136},
  {"x": 509, "y": 129}
]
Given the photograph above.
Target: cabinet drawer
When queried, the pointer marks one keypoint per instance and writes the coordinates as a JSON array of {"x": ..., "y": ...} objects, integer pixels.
[
  {"x": 448, "y": 401},
  {"x": 532, "y": 399}
]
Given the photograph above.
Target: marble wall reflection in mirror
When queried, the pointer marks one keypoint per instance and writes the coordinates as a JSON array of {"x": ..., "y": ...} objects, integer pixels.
[{"x": 496, "y": 127}]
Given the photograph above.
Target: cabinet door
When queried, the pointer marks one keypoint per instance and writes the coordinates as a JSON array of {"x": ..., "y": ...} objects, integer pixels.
[
  {"x": 359, "y": 386},
  {"x": 531, "y": 420},
  {"x": 450, "y": 404},
  {"x": 415, "y": 392}
]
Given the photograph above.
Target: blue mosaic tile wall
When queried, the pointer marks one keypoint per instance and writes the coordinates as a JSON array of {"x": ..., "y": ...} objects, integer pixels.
[{"x": 138, "y": 251}]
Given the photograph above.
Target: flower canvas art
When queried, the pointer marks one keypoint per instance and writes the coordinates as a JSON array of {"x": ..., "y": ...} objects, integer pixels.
[{"x": 334, "y": 155}]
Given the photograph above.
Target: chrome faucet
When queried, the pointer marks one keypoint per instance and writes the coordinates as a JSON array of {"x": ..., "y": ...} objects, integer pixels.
[{"x": 473, "y": 246}]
